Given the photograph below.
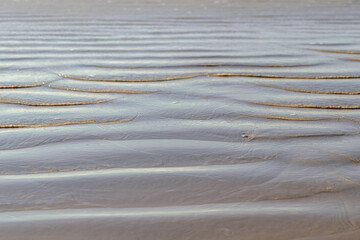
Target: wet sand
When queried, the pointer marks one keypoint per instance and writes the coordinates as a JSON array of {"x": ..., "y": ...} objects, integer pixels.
[{"x": 179, "y": 120}]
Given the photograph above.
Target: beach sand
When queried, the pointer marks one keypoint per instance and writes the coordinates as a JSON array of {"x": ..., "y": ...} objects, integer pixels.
[{"x": 165, "y": 120}]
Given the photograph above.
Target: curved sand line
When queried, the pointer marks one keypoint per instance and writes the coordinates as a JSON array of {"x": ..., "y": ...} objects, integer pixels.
[
  {"x": 23, "y": 86},
  {"x": 180, "y": 77},
  {"x": 302, "y": 118},
  {"x": 12, "y": 101},
  {"x": 308, "y": 91},
  {"x": 347, "y": 157},
  {"x": 250, "y": 137},
  {"x": 133, "y": 80},
  {"x": 335, "y": 51},
  {"x": 101, "y": 90},
  {"x": 285, "y": 118},
  {"x": 279, "y": 76},
  {"x": 353, "y": 59},
  {"x": 337, "y": 107},
  {"x": 65, "y": 123},
  {"x": 210, "y": 66}
]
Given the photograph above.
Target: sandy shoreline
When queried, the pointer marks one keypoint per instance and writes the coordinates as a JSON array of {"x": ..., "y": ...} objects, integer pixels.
[{"x": 179, "y": 120}]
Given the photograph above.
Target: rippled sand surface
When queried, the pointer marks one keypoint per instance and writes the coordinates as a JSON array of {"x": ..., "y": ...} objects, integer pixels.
[{"x": 184, "y": 119}]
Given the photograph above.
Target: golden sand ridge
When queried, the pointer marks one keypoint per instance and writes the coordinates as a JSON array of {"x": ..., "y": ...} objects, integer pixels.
[
  {"x": 281, "y": 76},
  {"x": 335, "y": 51},
  {"x": 209, "y": 65},
  {"x": 353, "y": 59},
  {"x": 133, "y": 80},
  {"x": 250, "y": 137},
  {"x": 308, "y": 91},
  {"x": 22, "y": 86},
  {"x": 65, "y": 123},
  {"x": 190, "y": 76},
  {"x": 100, "y": 90},
  {"x": 306, "y": 105},
  {"x": 286, "y": 118},
  {"x": 13, "y": 101},
  {"x": 347, "y": 157}
]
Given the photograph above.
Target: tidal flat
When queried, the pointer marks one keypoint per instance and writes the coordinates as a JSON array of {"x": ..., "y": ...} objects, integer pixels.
[{"x": 174, "y": 120}]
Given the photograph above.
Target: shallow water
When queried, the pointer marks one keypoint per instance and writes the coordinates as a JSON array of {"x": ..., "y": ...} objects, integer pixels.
[{"x": 179, "y": 120}]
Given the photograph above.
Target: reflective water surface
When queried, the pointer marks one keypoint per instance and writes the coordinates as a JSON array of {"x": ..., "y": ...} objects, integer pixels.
[{"x": 166, "y": 119}]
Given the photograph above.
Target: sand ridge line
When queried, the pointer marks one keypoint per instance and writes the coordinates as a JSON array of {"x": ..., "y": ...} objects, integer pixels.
[
  {"x": 337, "y": 107},
  {"x": 280, "y": 76},
  {"x": 307, "y": 91},
  {"x": 302, "y": 118},
  {"x": 100, "y": 90},
  {"x": 286, "y": 118},
  {"x": 345, "y": 156},
  {"x": 134, "y": 80},
  {"x": 56, "y": 104},
  {"x": 208, "y": 66},
  {"x": 219, "y": 75},
  {"x": 65, "y": 123},
  {"x": 352, "y": 59},
  {"x": 334, "y": 51},
  {"x": 23, "y": 86},
  {"x": 252, "y": 137}
]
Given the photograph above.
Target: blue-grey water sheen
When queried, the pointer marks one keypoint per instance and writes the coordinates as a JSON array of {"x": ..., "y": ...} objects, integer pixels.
[{"x": 166, "y": 119}]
